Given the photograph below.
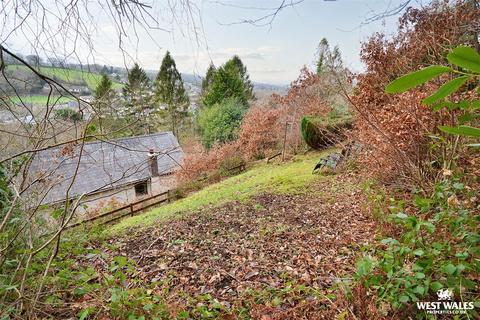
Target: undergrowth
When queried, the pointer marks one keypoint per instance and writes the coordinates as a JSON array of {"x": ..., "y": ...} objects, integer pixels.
[
  {"x": 86, "y": 283},
  {"x": 76, "y": 287},
  {"x": 429, "y": 243}
]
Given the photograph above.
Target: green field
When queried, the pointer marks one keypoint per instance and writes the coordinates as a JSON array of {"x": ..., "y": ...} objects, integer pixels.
[
  {"x": 74, "y": 77},
  {"x": 41, "y": 99}
]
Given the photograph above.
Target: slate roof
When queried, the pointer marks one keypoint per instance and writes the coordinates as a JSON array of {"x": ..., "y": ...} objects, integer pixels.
[{"x": 104, "y": 165}]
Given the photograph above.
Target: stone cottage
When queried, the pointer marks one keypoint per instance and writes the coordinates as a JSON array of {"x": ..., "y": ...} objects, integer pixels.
[{"x": 106, "y": 173}]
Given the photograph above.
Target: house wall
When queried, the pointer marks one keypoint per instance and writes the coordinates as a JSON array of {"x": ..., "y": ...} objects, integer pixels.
[
  {"x": 98, "y": 203},
  {"x": 105, "y": 201},
  {"x": 162, "y": 183},
  {"x": 109, "y": 200},
  {"x": 92, "y": 205}
]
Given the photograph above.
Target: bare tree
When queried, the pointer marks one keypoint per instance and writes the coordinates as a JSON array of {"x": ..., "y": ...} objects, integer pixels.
[
  {"x": 269, "y": 13},
  {"x": 60, "y": 32}
]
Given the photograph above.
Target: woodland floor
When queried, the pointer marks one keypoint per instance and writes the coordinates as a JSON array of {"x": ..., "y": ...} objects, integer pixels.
[{"x": 267, "y": 244}]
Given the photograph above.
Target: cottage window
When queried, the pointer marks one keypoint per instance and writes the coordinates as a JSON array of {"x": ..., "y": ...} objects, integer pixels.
[{"x": 141, "y": 189}]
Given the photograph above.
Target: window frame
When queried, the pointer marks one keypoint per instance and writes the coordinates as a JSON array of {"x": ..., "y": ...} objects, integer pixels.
[{"x": 144, "y": 186}]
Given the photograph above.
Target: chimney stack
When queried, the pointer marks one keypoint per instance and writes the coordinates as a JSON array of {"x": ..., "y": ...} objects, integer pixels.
[{"x": 152, "y": 159}]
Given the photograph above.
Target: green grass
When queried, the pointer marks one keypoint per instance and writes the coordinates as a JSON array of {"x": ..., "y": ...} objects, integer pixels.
[
  {"x": 40, "y": 99},
  {"x": 74, "y": 77},
  {"x": 292, "y": 177}
]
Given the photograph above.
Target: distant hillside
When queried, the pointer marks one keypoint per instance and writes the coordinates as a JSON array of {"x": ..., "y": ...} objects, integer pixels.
[
  {"x": 78, "y": 75},
  {"x": 196, "y": 80},
  {"x": 69, "y": 76},
  {"x": 269, "y": 87}
]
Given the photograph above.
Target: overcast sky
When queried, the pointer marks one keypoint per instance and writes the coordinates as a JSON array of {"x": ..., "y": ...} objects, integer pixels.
[{"x": 273, "y": 53}]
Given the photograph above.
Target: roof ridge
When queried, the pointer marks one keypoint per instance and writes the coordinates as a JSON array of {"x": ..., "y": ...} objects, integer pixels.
[
  {"x": 121, "y": 139},
  {"x": 104, "y": 165},
  {"x": 133, "y": 137}
]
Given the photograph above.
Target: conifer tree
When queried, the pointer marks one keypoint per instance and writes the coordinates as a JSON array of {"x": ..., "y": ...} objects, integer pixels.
[
  {"x": 137, "y": 79},
  {"x": 327, "y": 59},
  {"x": 103, "y": 103},
  {"x": 337, "y": 62},
  {"x": 104, "y": 70},
  {"x": 231, "y": 80},
  {"x": 227, "y": 83},
  {"x": 236, "y": 62},
  {"x": 104, "y": 88},
  {"x": 138, "y": 100},
  {"x": 323, "y": 55},
  {"x": 107, "y": 107},
  {"x": 207, "y": 82},
  {"x": 170, "y": 94}
]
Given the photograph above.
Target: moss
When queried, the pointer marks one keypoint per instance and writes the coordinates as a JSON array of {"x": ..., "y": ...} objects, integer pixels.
[{"x": 321, "y": 132}]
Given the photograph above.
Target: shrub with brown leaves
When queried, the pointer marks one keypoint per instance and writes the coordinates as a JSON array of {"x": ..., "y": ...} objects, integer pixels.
[
  {"x": 394, "y": 129},
  {"x": 264, "y": 128},
  {"x": 305, "y": 97},
  {"x": 259, "y": 133}
]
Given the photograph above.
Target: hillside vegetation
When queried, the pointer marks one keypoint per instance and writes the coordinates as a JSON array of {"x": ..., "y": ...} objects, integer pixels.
[
  {"x": 251, "y": 246},
  {"x": 70, "y": 76},
  {"x": 272, "y": 178},
  {"x": 41, "y": 99},
  {"x": 359, "y": 200}
]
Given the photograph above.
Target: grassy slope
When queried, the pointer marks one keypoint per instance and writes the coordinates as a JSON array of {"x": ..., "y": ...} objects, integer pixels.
[
  {"x": 67, "y": 75},
  {"x": 286, "y": 178}
]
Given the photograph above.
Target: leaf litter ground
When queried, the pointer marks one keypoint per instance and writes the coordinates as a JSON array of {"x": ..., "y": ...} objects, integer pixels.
[{"x": 269, "y": 242}]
